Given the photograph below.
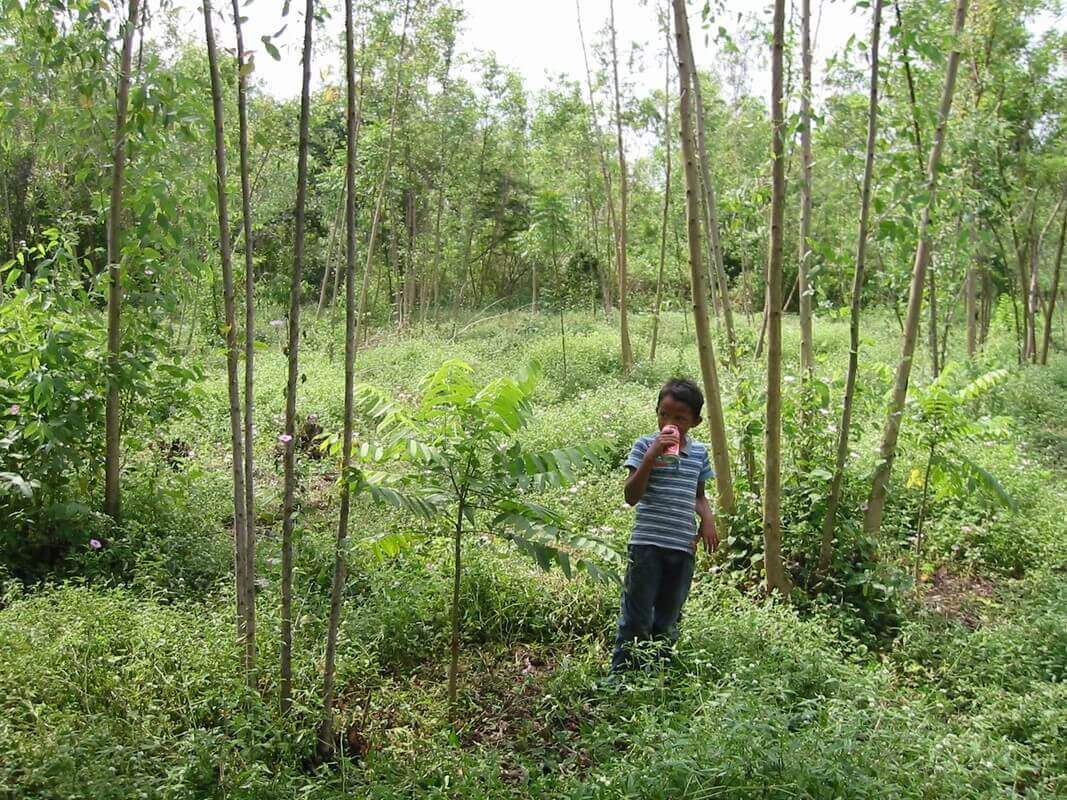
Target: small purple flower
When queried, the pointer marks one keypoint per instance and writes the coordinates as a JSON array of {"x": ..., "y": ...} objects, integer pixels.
[
  {"x": 277, "y": 323},
  {"x": 14, "y": 409},
  {"x": 95, "y": 544},
  {"x": 149, "y": 273},
  {"x": 285, "y": 438}
]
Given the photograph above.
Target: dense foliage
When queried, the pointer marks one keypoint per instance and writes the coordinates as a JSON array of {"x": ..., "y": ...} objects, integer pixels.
[{"x": 517, "y": 254}]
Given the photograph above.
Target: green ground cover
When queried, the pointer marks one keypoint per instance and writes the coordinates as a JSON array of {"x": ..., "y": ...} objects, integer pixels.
[{"x": 120, "y": 676}]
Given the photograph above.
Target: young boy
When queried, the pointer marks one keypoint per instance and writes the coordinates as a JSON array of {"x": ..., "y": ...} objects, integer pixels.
[{"x": 661, "y": 553}]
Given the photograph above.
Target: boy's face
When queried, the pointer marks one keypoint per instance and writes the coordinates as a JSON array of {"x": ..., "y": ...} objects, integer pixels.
[{"x": 672, "y": 411}]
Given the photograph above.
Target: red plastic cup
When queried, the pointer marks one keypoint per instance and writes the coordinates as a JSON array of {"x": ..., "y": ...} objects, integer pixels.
[{"x": 669, "y": 456}]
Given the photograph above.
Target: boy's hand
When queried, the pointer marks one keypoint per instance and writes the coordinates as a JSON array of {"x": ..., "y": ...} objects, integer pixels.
[
  {"x": 662, "y": 442},
  {"x": 709, "y": 535}
]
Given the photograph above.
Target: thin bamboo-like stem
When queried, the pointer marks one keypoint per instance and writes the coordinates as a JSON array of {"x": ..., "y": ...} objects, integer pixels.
[
  {"x": 113, "y": 408},
  {"x": 844, "y": 430},
  {"x": 289, "y": 485}
]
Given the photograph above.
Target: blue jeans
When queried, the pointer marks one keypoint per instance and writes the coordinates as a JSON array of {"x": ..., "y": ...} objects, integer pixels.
[{"x": 656, "y": 586}]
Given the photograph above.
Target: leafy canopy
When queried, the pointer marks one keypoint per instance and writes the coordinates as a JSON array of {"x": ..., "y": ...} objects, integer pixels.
[{"x": 452, "y": 456}]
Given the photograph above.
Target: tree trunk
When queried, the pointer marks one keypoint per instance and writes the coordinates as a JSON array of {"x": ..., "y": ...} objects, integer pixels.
[
  {"x": 711, "y": 217},
  {"x": 666, "y": 199},
  {"x": 705, "y": 347},
  {"x": 806, "y": 363},
  {"x": 776, "y": 578},
  {"x": 453, "y": 662},
  {"x": 113, "y": 421},
  {"x": 830, "y": 518},
  {"x": 330, "y": 265},
  {"x": 971, "y": 302},
  {"x": 431, "y": 291},
  {"x": 932, "y": 325},
  {"x": 289, "y": 490},
  {"x": 872, "y": 520},
  {"x": 1034, "y": 295},
  {"x": 324, "y": 747},
  {"x": 621, "y": 244},
  {"x": 1047, "y": 336},
  {"x": 250, "y": 336},
  {"x": 240, "y": 525},
  {"x": 608, "y": 194}
]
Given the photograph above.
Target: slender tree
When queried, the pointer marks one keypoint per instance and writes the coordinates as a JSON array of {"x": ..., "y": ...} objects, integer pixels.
[
  {"x": 705, "y": 347},
  {"x": 289, "y": 491},
  {"x": 620, "y": 241},
  {"x": 806, "y": 363},
  {"x": 609, "y": 194},
  {"x": 829, "y": 520},
  {"x": 325, "y": 733},
  {"x": 710, "y": 218},
  {"x": 776, "y": 578},
  {"x": 243, "y": 69},
  {"x": 113, "y": 411},
  {"x": 970, "y": 295},
  {"x": 1047, "y": 336},
  {"x": 872, "y": 519},
  {"x": 1033, "y": 299},
  {"x": 240, "y": 528},
  {"x": 666, "y": 192},
  {"x": 430, "y": 287}
]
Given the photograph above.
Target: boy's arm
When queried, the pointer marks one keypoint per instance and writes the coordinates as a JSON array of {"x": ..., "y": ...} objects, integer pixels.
[
  {"x": 707, "y": 530},
  {"x": 637, "y": 481}
]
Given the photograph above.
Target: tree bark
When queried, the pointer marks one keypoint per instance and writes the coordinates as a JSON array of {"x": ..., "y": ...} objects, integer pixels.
[
  {"x": 430, "y": 293},
  {"x": 324, "y": 747},
  {"x": 711, "y": 216},
  {"x": 932, "y": 325},
  {"x": 453, "y": 662},
  {"x": 289, "y": 490},
  {"x": 330, "y": 250},
  {"x": 240, "y": 525},
  {"x": 250, "y": 335},
  {"x": 1047, "y": 335},
  {"x": 971, "y": 303},
  {"x": 113, "y": 411},
  {"x": 666, "y": 199},
  {"x": 806, "y": 363},
  {"x": 830, "y": 518},
  {"x": 872, "y": 519},
  {"x": 1034, "y": 295},
  {"x": 621, "y": 243},
  {"x": 705, "y": 347},
  {"x": 776, "y": 578}
]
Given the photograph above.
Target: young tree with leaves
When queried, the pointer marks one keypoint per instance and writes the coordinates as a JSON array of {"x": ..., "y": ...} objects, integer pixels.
[
  {"x": 113, "y": 412},
  {"x": 466, "y": 468},
  {"x": 872, "y": 519}
]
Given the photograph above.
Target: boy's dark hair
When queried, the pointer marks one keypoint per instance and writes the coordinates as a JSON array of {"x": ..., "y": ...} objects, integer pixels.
[{"x": 684, "y": 391}]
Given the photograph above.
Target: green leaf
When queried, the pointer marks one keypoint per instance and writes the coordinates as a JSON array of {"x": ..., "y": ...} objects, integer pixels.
[
  {"x": 270, "y": 48},
  {"x": 10, "y": 481}
]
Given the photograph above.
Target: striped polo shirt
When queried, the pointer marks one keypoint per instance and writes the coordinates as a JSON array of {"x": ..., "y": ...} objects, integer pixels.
[{"x": 666, "y": 514}]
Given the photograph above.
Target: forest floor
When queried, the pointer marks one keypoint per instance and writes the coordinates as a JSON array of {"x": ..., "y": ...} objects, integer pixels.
[{"x": 121, "y": 678}]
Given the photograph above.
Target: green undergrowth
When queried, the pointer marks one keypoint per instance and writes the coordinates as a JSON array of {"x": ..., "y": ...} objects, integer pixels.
[{"x": 120, "y": 674}]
